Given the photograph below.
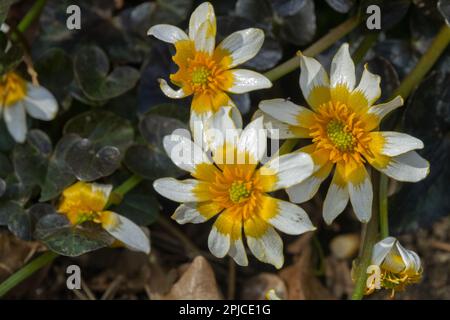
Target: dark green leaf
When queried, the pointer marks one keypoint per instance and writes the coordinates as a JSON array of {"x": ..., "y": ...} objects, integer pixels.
[
  {"x": 102, "y": 128},
  {"x": 16, "y": 218},
  {"x": 92, "y": 71},
  {"x": 150, "y": 160},
  {"x": 55, "y": 69},
  {"x": 342, "y": 6},
  {"x": 427, "y": 117},
  {"x": 288, "y": 7},
  {"x": 444, "y": 8},
  {"x": 142, "y": 209},
  {"x": 300, "y": 28},
  {"x": 56, "y": 232},
  {"x": 30, "y": 159}
]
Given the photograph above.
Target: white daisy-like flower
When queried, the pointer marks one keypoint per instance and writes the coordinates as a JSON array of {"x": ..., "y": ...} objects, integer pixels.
[
  {"x": 206, "y": 71},
  {"x": 399, "y": 267},
  {"x": 234, "y": 187},
  {"x": 84, "y": 201},
  {"x": 343, "y": 123},
  {"x": 19, "y": 97}
]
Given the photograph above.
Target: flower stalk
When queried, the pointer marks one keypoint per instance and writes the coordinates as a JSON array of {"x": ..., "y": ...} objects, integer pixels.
[
  {"x": 426, "y": 62},
  {"x": 319, "y": 46},
  {"x": 27, "y": 271},
  {"x": 31, "y": 15}
]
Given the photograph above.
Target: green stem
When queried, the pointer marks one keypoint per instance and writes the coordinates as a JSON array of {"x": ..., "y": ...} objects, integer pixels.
[
  {"x": 31, "y": 15},
  {"x": 26, "y": 271},
  {"x": 424, "y": 65},
  {"x": 383, "y": 203},
  {"x": 319, "y": 46},
  {"x": 370, "y": 237},
  {"x": 364, "y": 46},
  {"x": 127, "y": 186},
  {"x": 49, "y": 256}
]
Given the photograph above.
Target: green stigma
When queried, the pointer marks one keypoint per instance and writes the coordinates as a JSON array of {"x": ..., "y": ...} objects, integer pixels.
[
  {"x": 341, "y": 138},
  {"x": 239, "y": 192},
  {"x": 200, "y": 75}
]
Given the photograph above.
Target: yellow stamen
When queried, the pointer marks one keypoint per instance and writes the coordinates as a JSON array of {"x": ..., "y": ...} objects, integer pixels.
[
  {"x": 340, "y": 131},
  {"x": 12, "y": 89},
  {"x": 239, "y": 191},
  {"x": 341, "y": 138},
  {"x": 200, "y": 76}
]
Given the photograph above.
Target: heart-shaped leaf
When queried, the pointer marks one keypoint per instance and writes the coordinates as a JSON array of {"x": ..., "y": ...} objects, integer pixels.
[
  {"x": 92, "y": 72},
  {"x": 56, "y": 232}
]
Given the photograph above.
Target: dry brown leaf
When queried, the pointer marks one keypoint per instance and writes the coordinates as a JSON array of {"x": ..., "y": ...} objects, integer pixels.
[
  {"x": 338, "y": 275},
  {"x": 196, "y": 283},
  {"x": 256, "y": 287},
  {"x": 301, "y": 282}
]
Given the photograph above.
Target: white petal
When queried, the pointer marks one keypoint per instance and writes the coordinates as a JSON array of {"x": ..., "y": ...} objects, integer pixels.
[
  {"x": 168, "y": 91},
  {"x": 285, "y": 110},
  {"x": 205, "y": 38},
  {"x": 128, "y": 233},
  {"x": 289, "y": 169},
  {"x": 291, "y": 219},
  {"x": 237, "y": 252},
  {"x": 276, "y": 129},
  {"x": 103, "y": 188},
  {"x": 197, "y": 124},
  {"x": 253, "y": 140},
  {"x": 16, "y": 121},
  {"x": 407, "y": 167},
  {"x": 184, "y": 153},
  {"x": 243, "y": 45},
  {"x": 40, "y": 103},
  {"x": 188, "y": 213},
  {"x": 396, "y": 143},
  {"x": 343, "y": 69},
  {"x": 221, "y": 129},
  {"x": 176, "y": 190},
  {"x": 369, "y": 86},
  {"x": 167, "y": 33},
  {"x": 247, "y": 80},
  {"x": 218, "y": 243},
  {"x": 381, "y": 110},
  {"x": 361, "y": 196},
  {"x": 335, "y": 201},
  {"x": 306, "y": 189},
  {"x": 204, "y": 12},
  {"x": 268, "y": 248},
  {"x": 381, "y": 250},
  {"x": 312, "y": 75}
]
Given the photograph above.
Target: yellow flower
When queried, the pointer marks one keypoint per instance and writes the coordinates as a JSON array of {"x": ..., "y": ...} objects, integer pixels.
[
  {"x": 398, "y": 266},
  {"x": 343, "y": 126},
  {"x": 18, "y": 97},
  {"x": 84, "y": 202},
  {"x": 233, "y": 187},
  {"x": 206, "y": 71}
]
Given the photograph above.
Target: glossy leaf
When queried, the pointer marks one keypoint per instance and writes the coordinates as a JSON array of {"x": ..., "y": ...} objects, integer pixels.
[
  {"x": 92, "y": 72},
  {"x": 56, "y": 232}
]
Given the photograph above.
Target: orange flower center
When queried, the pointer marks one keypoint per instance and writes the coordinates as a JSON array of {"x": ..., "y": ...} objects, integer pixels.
[
  {"x": 12, "y": 89},
  {"x": 339, "y": 130}
]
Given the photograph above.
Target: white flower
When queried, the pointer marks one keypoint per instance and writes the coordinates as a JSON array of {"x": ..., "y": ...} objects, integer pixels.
[
  {"x": 83, "y": 202},
  {"x": 206, "y": 71},
  {"x": 232, "y": 186},
  {"x": 343, "y": 125},
  {"x": 18, "y": 97},
  {"x": 398, "y": 266}
]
